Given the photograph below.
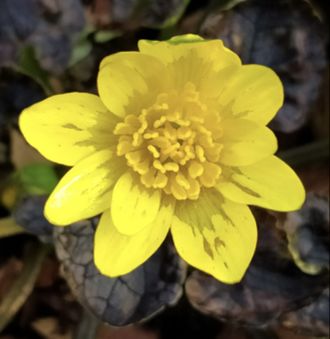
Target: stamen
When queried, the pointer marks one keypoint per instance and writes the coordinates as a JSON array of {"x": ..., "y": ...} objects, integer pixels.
[
  {"x": 174, "y": 144},
  {"x": 153, "y": 150},
  {"x": 195, "y": 169}
]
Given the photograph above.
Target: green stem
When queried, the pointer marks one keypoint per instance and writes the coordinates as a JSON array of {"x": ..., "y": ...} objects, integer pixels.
[
  {"x": 23, "y": 286},
  {"x": 87, "y": 327},
  {"x": 306, "y": 154}
]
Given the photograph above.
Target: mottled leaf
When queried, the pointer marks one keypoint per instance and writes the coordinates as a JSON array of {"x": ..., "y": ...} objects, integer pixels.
[
  {"x": 17, "y": 21},
  {"x": 311, "y": 320},
  {"x": 308, "y": 235},
  {"x": 49, "y": 26},
  {"x": 126, "y": 299},
  {"x": 282, "y": 34},
  {"x": 272, "y": 286},
  {"x": 29, "y": 214}
]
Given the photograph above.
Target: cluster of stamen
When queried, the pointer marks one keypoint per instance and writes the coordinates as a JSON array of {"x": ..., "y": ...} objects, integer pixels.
[{"x": 174, "y": 144}]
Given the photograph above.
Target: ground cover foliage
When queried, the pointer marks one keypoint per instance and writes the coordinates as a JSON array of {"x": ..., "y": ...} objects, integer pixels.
[{"x": 49, "y": 285}]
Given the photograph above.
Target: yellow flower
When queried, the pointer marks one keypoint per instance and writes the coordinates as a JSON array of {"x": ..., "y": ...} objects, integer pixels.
[{"x": 176, "y": 141}]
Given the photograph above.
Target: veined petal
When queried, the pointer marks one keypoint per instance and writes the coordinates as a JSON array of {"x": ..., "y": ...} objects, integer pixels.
[
  {"x": 269, "y": 183},
  {"x": 246, "y": 142},
  {"x": 215, "y": 235},
  {"x": 116, "y": 254},
  {"x": 65, "y": 128},
  {"x": 189, "y": 58},
  {"x": 85, "y": 190},
  {"x": 133, "y": 206},
  {"x": 127, "y": 80},
  {"x": 254, "y": 92},
  {"x": 183, "y": 45}
]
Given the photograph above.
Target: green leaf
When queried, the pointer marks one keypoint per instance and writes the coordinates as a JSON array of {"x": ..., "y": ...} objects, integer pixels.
[
  {"x": 307, "y": 154},
  {"x": 82, "y": 46},
  {"x": 106, "y": 35},
  {"x": 37, "y": 179},
  {"x": 172, "y": 20},
  {"x": 29, "y": 65},
  {"x": 80, "y": 52}
]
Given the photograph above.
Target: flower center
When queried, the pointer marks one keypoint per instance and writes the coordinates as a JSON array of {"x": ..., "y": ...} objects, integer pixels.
[{"x": 174, "y": 144}]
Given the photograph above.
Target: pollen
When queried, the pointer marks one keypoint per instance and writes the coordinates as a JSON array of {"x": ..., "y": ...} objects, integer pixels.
[{"x": 172, "y": 145}]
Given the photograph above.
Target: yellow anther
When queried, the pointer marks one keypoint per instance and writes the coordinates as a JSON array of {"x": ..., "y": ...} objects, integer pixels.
[
  {"x": 200, "y": 153},
  {"x": 194, "y": 189},
  {"x": 153, "y": 150},
  {"x": 178, "y": 191},
  {"x": 184, "y": 132},
  {"x": 124, "y": 147},
  {"x": 133, "y": 157},
  {"x": 172, "y": 148},
  {"x": 158, "y": 165},
  {"x": 137, "y": 139},
  {"x": 171, "y": 167},
  {"x": 170, "y": 132},
  {"x": 173, "y": 144},
  {"x": 177, "y": 156},
  {"x": 160, "y": 122},
  {"x": 213, "y": 153},
  {"x": 160, "y": 180},
  {"x": 144, "y": 124},
  {"x": 142, "y": 167},
  {"x": 189, "y": 151},
  {"x": 210, "y": 175},
  {"x": 151, "y": 135},
  {"x": 196, "y": 119},
  {"x": 148, "y": 178},
  {"x": 162, "y": 106},
  {"x": 183, "y": 122},
  {"x": 195, "y": 169},
  {"x": 174, "y": 116},
  {"x": 123, "y": 129},
  {"x": 184, "y": 160},
  {"x": 182, "y": 181},
  {"x": 160, "y": 142}
]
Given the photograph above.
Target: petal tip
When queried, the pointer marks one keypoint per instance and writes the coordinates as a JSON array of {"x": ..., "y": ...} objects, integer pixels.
[{"x": 53, "y": 214}]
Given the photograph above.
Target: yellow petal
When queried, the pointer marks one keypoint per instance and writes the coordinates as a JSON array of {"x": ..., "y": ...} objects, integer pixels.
[
  {"x": 209, "y": 51},
  {"x": 254, "y": 92},
  {"x": 127, "y": 81},
  {"x": 65, "y": 128},
  {"x": 116, "y": 254},
  {"x": 246, "y": 142},
  {"x": 196, "y": 60},
  {"x": 133, "y": 206},
  {"x": 215, "y": 235},
  {"x": 269, "y": 183},
  {"x": 85, "y": 190}
]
